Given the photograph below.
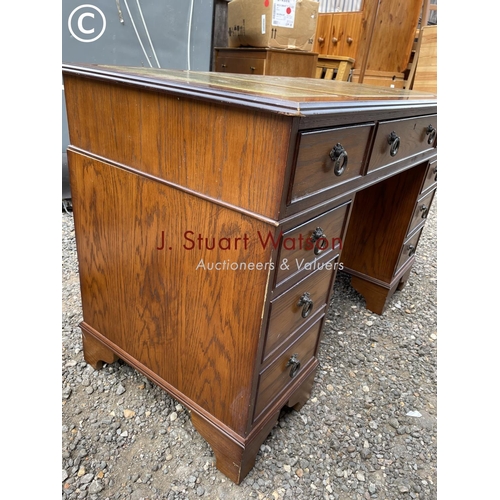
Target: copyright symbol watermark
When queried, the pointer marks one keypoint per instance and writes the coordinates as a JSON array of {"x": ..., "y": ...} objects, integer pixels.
[{"x": 87, "y": 23}]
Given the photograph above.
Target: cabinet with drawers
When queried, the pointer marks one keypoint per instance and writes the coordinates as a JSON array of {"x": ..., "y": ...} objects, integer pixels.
[
  {"x": 265, "y": 61},
  {"x": 211, "y": 215}
]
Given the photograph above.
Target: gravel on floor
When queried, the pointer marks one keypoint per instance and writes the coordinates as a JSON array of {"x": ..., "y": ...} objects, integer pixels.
[{"x": 369, "y": 430}]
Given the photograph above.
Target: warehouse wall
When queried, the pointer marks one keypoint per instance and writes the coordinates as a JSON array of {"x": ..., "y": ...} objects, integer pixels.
[{"x": 173, "y": 34}]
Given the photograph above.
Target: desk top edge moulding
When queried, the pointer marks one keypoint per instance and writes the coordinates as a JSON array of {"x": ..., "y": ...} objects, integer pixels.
[
  {"x": 212, "y": 212},
  {"x": 296, "y": 96}
]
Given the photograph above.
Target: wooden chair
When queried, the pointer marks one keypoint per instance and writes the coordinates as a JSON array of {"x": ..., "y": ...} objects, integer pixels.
[{"x": 334, "y": 67}]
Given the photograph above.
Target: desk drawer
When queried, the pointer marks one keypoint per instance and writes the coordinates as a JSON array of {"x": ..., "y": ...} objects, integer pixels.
[
  {"x": 278, "y": 376},
  {"x": 421, "y": 210},
  {"x": 400, "y": 139},
  {"x": 315, "y": 239},
  {"x": 408, "y": 250},
  {"x": 246, "y": 65},
  {"x": 430, "y": 176},
  {"x": 326, "y": 158},
  {"x": 294, "y": 308}
]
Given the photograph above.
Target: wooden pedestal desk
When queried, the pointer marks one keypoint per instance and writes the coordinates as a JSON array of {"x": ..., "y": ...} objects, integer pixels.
[{"x": 210, "y": 214}]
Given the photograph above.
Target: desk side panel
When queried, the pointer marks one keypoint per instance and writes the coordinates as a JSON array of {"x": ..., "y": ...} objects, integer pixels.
[
  {"x": 225, "y": 152},
  {"x": 144, "y": 289}
]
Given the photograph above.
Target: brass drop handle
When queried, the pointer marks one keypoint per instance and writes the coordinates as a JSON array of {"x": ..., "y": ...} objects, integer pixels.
[
  {"x": 295, "y": 365},
  {"x": 431, "y": 132},
  {"x": 425, "y": 211},
  {"x": 307, "y": 304},
  {"x": 335, "y": 40},
  {"x": 318, "y": 234},
  {"x": 349, "y": 40},
  {"x": 339, "y": 156},
  {"x": 411, "y": 250},
  {"x": 394, "y": 140}
]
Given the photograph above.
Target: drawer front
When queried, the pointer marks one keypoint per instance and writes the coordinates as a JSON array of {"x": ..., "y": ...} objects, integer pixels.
[
  {"x": 279, "y": 375},
  {"x": 421, "y": 210},
  {"x": 408, "y": 250},
  {"x": 431, "y": 176},
  {"x": 329, "y": 157},
  {"x": 400, "y": 139},
  {"x": 245, "y": 65},
  {"x": 294, "y": 308},
  {"x": 318, "y": 238}
]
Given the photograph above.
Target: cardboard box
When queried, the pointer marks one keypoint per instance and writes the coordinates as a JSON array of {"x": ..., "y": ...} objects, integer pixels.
[{"x": 282, "y": 24}]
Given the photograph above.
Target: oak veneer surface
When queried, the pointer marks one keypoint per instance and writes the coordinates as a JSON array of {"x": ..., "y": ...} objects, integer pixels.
[
  {"x": 380, "y": 217},
  {"x": 208, "y": 351},
  {"x": 192, "y": 136}
]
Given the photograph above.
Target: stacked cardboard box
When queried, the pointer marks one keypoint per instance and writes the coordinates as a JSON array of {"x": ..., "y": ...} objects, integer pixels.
[{"x": 283, "y": 24}]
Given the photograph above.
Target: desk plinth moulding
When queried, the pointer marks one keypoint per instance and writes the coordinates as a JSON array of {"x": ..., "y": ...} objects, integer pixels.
[{"x": 191, "y": 190}]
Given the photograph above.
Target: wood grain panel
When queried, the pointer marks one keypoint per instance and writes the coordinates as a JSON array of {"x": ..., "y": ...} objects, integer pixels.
[
  {"x": 206, "y": 147},
  {"x": 282, "y": 63},
  {"x": 393, "y": 35},
  {"x": 413, "y": 139},
  {"x": 379, "y": 224},
  {"x": 314, "y": 168},
  {"x": 387, "y": 34},
  {"x": 185, "y": 324}
]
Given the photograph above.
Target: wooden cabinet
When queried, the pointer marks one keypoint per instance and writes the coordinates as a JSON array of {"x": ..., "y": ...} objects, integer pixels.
[
  {"x": 339, "y": 33},
  {"x": 379, "y": 38},
  {"x": 212, "y": 213},
  {"x": 266, "y": 61}
]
